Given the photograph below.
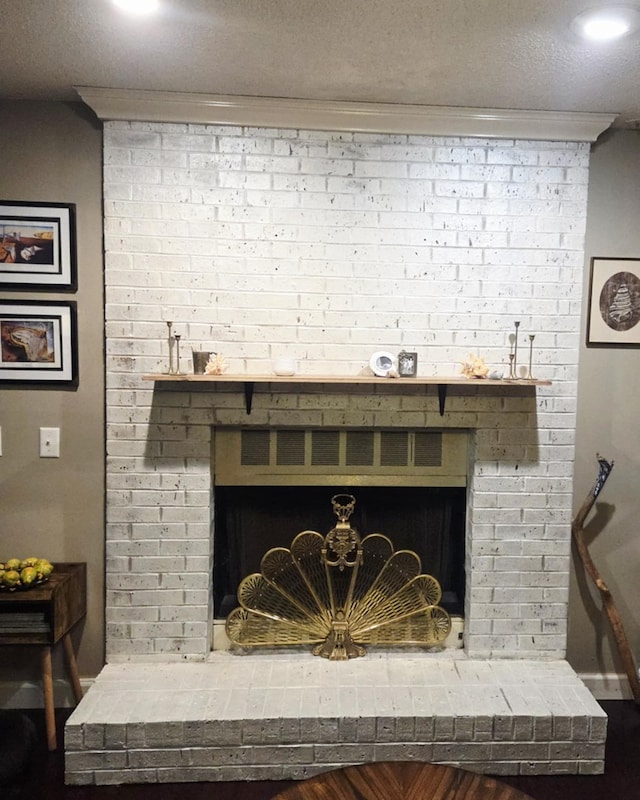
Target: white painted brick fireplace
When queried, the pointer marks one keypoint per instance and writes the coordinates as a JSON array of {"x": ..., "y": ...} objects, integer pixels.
[{"x": 259, "y": 243}]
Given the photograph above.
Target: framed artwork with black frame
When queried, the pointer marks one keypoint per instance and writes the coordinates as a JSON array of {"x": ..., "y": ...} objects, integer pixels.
[
  {"x": 613, "y": 317},
  {"x": 38, "y": 343},
  {"x": 37, "y": 246}
]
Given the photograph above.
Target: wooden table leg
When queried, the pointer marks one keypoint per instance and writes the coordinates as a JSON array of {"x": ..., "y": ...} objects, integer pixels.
[
  {"x": 47, "y": 690},
  {"x": 72, "y": 666}
]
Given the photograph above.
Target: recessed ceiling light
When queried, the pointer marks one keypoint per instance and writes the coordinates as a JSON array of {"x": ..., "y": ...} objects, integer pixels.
[
  {"x": 606, "y": 24},
  {"x": 138, "y": 7}
]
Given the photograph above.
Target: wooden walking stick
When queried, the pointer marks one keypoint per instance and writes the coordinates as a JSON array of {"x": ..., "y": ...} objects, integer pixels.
[{"x": 577, "y": 531}]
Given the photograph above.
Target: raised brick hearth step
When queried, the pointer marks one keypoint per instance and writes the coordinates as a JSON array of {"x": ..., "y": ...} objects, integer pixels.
[{"x": 289, "y": 716}]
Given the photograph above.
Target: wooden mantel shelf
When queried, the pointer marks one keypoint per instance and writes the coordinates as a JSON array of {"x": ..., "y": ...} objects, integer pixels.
[{"x": 249, "y": 382}]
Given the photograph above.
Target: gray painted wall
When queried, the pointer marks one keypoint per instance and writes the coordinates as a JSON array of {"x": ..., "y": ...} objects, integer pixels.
[
  {"x": 55, "y": 508},
  {"x": 608, "y": 408}
]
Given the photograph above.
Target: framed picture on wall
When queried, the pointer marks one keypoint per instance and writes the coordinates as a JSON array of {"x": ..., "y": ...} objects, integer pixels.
[
  {"x": 37, "y": 246},
  {"x": 613, "y": 317},
  {"x": 38, "y": 343}
]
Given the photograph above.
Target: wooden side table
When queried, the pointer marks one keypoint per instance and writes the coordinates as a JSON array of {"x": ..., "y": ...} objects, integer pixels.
[
  {"x": 41, "y": 617},
  {"x": 400, "y": 780}
]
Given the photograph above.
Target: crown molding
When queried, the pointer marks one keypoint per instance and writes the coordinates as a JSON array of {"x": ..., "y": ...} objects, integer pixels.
[{"x": 275, "y": 112}]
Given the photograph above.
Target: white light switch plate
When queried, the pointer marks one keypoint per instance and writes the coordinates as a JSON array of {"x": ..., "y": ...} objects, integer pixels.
[{"x": 49, "y": 442}]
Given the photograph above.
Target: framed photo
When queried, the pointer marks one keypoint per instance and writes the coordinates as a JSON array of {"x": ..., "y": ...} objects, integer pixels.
[
  {"x": 37, "y": 246},
  {"x": 407, "y": 364},
  {"x": 614, "y": 303},
  {"x": 38, "y": 343}
]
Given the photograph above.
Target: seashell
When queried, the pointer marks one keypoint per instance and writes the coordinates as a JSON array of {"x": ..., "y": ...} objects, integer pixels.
[
  {"x": 216, "y": 365},
  {"x": 475, "y": 367}
]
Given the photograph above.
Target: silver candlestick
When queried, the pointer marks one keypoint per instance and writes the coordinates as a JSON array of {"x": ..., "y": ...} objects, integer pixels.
[
  {"x": 177, "y": 337},
  {"x": 515, "y": 352},
  {"x": 170, "y": 339},
  {"x": 532, "y": 336}
]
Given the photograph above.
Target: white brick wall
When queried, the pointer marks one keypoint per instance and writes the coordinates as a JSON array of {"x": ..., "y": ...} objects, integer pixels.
[{"x": 327, "y": 246}]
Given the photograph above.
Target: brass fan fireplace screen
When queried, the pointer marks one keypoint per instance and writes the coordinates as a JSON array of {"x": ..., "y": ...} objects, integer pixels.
[{"x": 338, "y": 593}]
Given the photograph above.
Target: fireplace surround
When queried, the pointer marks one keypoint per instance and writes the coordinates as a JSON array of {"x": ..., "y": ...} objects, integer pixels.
[{"x": 326, "y": 246}]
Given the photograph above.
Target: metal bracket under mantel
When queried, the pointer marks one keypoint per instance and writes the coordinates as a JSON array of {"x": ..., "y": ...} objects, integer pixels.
[{"x": 248, "y": 395}]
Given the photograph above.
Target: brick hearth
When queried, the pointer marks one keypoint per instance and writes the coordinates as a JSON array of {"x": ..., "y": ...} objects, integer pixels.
[{"x": 273, "y": 717}]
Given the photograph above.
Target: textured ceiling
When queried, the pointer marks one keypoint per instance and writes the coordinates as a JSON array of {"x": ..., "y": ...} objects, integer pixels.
[{"x": 484, "y": 53}]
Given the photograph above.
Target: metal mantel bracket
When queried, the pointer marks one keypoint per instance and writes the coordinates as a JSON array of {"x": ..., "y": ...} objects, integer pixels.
[
  {"x": 442, "y": 397},
  {"x": 248, "y": 395}
]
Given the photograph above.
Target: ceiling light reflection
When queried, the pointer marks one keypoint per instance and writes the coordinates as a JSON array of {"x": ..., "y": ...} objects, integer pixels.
[
  {"x": 137, "y": 7},
  {"x": 606, "y": 24}
]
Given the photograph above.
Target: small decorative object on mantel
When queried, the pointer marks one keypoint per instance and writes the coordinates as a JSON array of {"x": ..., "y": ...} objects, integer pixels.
[
  {"x": 285, "y": 366},
  {"x": 170, "y": 370},
  {"x": 513, "y": 357},
  {"x": 475, "y": 367},
  {"x": 174, "y": 341},
  {"x": 513, "y": 354},
  {"x": 23, "y": 573},
  {"x": 216, "y": 364},
  {"x": 530, "y": 377},
  {"x": 382, "y": 364},
  {"x": 200, "y": 360},
  {"x": 177, "y": 337},
  {"x": 407, "y": 364}
]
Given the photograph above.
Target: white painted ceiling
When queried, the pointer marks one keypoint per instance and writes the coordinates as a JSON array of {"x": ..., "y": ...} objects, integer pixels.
[{"x": 517, "y": 54}]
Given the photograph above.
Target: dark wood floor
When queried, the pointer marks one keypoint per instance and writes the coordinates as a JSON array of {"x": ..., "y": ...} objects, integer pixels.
[{"x": 621, "y": 780}]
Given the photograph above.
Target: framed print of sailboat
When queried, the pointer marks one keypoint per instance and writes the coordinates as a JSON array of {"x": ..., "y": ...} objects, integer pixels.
[{"x": 613, "y": 315}]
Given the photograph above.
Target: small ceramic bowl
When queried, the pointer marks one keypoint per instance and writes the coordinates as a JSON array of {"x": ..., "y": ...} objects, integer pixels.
[{"x": 285, "y": 366}]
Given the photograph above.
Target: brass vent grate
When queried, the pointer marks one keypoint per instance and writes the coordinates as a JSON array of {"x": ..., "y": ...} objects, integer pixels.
[
  {"x": 290, "y": 448},
  {"x": 359, "y": 449},
  {"x": 428, "y": 449},
  {"x": 324, "y": 448},
  {"x": 330, "y": 456},
  {"x": 394, "y": 449},
  {"x": 254, "y": 450}
]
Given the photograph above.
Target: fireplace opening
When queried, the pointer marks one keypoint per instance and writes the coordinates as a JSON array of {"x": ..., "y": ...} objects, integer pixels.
[
  {"x": 271, "y": 484},
  {"x": 251, "y": 520}
]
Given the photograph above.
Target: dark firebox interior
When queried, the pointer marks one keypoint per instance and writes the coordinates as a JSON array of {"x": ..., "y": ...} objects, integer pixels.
[{"x": 249, "y": 520}]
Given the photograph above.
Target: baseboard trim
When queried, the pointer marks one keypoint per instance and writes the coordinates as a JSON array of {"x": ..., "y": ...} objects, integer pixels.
[
  {"x": 607, "y": 685},
  {"x": 28, "y": 694}
]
